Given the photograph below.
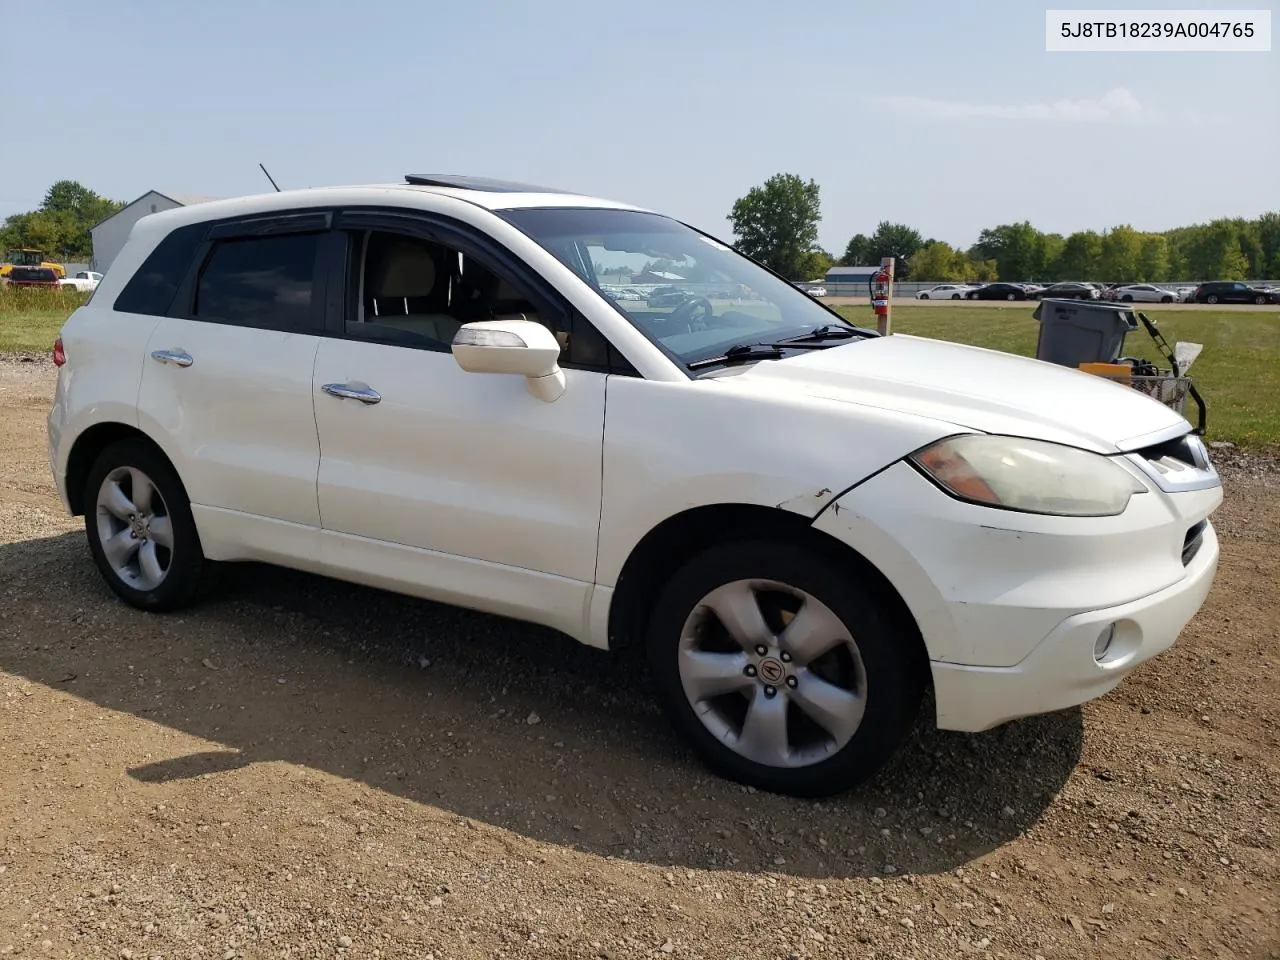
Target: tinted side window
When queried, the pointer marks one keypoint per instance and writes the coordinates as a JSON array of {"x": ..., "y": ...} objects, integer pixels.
[
  {"x": 152, "y": 288},
  {"x": 260, "y": 282}
]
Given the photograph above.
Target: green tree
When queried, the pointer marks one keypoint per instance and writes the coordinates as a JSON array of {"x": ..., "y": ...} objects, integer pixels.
[
  {"x": 1017, "y": 248},
  {"x": 857, "y": 252},
  {"x": 1268, "y": 267},
  {"x": 1079, "y": 257},
  {"x": 940, "y": 261},
  {"x": 777, "y": 223},
  {"x": 1153, "y": 259},
  {"x": 895, "y": 240},
  {"x": 1121, "y": 248},
  {"x": 1213, "y": 253},
  {"x": 60, "y": 227},
  {"x": 816, "y": 264}
]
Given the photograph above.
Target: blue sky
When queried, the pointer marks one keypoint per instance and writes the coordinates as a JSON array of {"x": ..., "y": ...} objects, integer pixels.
[{"x": 947, "y": 116}]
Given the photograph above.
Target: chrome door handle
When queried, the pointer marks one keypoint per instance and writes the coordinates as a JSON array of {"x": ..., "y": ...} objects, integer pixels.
[
  {"x": 179, "y": 357},
  {"x": 348, "y": 392}
]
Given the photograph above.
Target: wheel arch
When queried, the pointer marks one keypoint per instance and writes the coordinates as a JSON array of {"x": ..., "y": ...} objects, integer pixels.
[
  {"x": 86, "y": 449},
  {"x": 680, "y": 537}
]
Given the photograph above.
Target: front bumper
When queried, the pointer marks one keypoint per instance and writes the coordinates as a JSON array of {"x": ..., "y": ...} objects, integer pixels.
[
  {"x": 1061, "y": 671},
  {"x": 1010, "y": 605}
]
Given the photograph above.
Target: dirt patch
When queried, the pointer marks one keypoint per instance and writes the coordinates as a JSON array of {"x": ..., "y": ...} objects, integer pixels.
[{"x": 304, "y": 768}]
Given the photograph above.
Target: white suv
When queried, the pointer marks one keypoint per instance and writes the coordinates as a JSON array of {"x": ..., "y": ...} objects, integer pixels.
[{"x": 424, "y": 387}]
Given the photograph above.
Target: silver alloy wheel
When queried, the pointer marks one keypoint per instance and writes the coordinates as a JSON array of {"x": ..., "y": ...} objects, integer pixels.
[
  {"x": 772, "y": 673},
  {"x": 134, "y": 528}
]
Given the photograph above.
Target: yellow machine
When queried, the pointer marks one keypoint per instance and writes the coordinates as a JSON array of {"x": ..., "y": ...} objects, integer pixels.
[{"x": 26, "y": 257}]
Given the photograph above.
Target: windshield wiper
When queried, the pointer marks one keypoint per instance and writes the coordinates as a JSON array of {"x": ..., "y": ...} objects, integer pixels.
[
  {"x": 826, "y": 332},
  {"x": 742, "y": 352}
]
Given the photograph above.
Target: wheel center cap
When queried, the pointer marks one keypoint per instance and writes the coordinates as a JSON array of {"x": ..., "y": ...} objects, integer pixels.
[
  {"x": 771, "y": 671},
  {"x": 140, "y": 527}
]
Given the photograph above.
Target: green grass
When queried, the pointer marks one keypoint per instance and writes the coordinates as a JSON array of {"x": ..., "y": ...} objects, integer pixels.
[
  {"x": 1238, "y": 373},
  {"x": 30, "y": 317}
]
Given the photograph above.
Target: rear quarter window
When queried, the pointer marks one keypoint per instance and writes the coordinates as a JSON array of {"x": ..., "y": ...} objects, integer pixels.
[{"x": 152, "y": 288}]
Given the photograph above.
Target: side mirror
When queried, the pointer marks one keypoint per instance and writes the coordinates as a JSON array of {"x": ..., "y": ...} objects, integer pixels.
[{"x": 519, "y": 346}]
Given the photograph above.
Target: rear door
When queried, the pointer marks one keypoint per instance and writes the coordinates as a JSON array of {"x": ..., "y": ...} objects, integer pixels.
[{"x": 226, "y": 387}]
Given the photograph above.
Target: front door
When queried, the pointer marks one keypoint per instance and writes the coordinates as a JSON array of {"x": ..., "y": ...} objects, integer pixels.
[{"x": 500, "y": 488}]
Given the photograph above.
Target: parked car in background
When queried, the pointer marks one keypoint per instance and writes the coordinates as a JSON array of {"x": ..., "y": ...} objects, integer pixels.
[
  {"x": 816, "y": 291},
  {"x": 667, "y": 297},
  {"x": 1232, "y": 291},
  {"x": 1143, "y": 293},
  {"x": 1034, "y": 290},
  {"x": 804, "y": 525},
  {"x": 85, "y": 281},
  {"x": 945, "y": 291},
  {"x": 1070, "y": 291},
  {"x": 998, "y": 291},
  {"x": 34, "y": 277}
]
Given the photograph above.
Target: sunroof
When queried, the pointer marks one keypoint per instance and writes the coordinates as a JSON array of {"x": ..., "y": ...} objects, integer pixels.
[{"x": 484, "y": 184}]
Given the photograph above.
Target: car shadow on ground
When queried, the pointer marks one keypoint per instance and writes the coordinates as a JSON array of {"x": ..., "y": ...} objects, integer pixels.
[{"x": 497, "y": 721}]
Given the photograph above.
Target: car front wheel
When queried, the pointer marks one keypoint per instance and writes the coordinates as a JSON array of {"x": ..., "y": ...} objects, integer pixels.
[
  {"x": 1010, "y": 296},
  {"x": 1211, "y": 299},
  {"x": 141, "y": 532},
  {"x": 924, "y": 296},
  {"x": 781, "y": 670},
  {"x": 1259, "y": 299}
]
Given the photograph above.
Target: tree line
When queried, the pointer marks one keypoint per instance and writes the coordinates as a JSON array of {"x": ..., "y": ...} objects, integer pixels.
[
  {"x": 59, "y": 227},
  {"x": 777, "y": 224}
]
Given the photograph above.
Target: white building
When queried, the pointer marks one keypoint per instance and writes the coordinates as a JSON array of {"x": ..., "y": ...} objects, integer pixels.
[{"x": 110, "y": 234}]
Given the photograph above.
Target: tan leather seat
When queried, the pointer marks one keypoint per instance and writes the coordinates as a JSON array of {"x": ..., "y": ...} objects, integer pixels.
[{"x": 401, "y": 286}]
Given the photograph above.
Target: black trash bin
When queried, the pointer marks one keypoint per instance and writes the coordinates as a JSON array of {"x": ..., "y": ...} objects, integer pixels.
[{"x": 1073, "y": 332}]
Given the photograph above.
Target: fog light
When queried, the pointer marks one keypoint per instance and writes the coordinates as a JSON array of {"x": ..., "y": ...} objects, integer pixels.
[{"x": 1103, "y": 643}]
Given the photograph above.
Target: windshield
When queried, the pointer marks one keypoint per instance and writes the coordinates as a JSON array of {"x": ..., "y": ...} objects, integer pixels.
[{"x": 692, "y": 295}]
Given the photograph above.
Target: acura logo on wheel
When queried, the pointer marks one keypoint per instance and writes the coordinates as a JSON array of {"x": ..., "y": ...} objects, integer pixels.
[{"x": 771, "y": 671}]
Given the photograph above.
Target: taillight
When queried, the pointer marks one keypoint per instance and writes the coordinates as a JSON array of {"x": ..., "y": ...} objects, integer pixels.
[{"x": 59, "y": 354}]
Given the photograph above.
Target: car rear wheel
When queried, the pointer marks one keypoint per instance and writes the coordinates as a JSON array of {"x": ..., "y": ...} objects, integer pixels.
[
  {"x": 781, "y": 670},
  {"x": 1259, "y": 299},
  {"x": 1010, "y": 296},
  {"x": 141, "y": 533},
  {"x": 955, "y": 296}
]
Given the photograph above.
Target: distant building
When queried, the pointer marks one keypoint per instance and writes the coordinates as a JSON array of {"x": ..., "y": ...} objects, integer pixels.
[
  {"x": 858, "y": 275},
  {"x": 657, "y": 276},
  {"x": 110, "y": 234}
]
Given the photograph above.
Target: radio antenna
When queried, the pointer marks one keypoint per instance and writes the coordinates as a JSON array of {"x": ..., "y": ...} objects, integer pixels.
[{"x": 269, "y": 177}]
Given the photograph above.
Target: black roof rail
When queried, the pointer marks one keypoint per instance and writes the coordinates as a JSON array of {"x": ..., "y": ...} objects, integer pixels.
[{"x": 482, "y": 184}]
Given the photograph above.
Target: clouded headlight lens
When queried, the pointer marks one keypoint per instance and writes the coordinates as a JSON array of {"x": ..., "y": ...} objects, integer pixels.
[{"x": 1031, "y": 476}]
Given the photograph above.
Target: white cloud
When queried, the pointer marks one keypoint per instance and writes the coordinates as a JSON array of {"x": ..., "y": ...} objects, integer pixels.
[{"x": 1117, "y": 104}]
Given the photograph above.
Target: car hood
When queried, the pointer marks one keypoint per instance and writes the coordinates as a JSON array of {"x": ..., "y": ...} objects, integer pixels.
[{"x": 971, "y": 387}]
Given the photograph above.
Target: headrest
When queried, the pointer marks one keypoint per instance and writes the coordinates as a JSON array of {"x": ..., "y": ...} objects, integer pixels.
[{"x": 408, "y": 270}]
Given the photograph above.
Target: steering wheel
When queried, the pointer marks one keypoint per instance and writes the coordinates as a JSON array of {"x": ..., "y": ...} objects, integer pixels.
[{"x": 695, "y": 312}]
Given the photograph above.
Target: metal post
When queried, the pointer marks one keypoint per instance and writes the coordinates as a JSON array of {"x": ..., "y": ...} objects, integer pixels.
[{"x": 884, "y": 324}]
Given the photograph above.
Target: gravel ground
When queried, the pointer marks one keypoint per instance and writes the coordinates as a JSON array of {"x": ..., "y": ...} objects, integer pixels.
[{"x": 302, "y": 768}]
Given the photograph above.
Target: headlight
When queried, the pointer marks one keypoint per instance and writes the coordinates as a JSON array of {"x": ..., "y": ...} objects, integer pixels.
[{"x": 1030, "y": 476}]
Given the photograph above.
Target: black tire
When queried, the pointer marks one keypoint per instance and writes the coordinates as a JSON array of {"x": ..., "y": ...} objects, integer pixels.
[
  {"x": 186, "y": 570},
  {"x": 1259, "y": 299},
  {"x": 890, "y": 652},
  {"x": 1212, "y": 298},
  {"x": 924, "y": 296},
  {"x": 1011, "y": 296},
  {"x": 1127, "y": 298},
  {"x": 1166, "y": 299},
  {"x": 955, "y": 296}
]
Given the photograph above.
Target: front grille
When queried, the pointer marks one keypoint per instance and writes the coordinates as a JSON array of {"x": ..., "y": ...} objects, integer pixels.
[{"x": 1192, "y": 541}]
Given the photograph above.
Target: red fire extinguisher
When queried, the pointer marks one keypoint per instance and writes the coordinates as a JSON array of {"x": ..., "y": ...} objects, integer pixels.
[{"x": 880, "y": 293}]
